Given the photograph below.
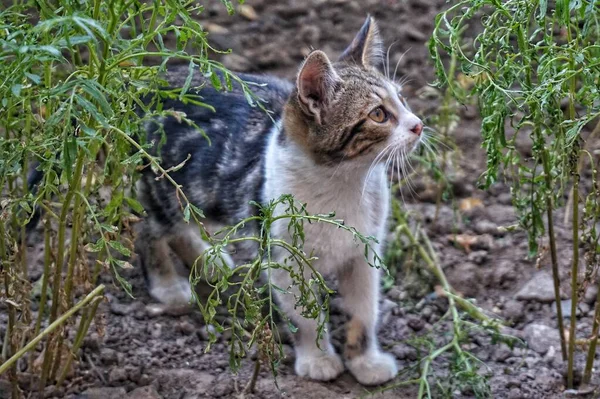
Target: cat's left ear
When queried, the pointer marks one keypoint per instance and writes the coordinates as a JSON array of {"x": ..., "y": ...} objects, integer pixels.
[
  {"x": 366, "y": 48},
  {"x": 317, "y": 82}
]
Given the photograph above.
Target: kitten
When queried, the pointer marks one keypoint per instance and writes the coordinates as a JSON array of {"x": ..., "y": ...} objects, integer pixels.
[{"x": 334, "y": 128}]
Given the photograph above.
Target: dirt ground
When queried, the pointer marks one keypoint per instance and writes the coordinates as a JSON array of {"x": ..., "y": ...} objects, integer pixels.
[{"x": 148, "y": 354}]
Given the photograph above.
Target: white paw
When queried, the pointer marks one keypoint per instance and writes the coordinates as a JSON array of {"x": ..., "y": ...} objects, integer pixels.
[
  {"x": 323, "y": 366},
  {"x": 174, "y": 291},
  {"x": 373, "y": 367}
]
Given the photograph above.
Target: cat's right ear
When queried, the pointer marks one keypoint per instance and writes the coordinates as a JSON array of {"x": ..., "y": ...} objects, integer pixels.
[{"x": 316, "y": 83}]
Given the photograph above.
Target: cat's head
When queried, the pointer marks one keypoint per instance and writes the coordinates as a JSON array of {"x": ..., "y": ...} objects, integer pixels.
[{"x": 347, "y": 110}]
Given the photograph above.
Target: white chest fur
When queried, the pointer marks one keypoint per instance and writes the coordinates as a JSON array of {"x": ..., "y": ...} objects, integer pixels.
[{"x": 324, "y": 189}]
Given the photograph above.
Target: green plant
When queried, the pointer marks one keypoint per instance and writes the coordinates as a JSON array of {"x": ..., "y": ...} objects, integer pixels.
[
  {"x": 76, "y": 88},
  {"x": 527, "y": 60},
  {"x": 462, "y": 318}
]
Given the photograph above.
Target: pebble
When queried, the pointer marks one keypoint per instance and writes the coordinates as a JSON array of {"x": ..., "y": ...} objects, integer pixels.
[
  {"x": 501, "y": 353},
  {"x": 513, "y": 311},
  {"x": 186, "y": 327},
  {"x": 117, "y": 374},
  {"x": 591, "y": 294},
  {"x": 108, "y": 356},
  {"x": 540, "y": 289},
  {"x": 565, "y": 306},
  {"x": 477, "y": 257},
  {"x": 134, "y": 373},
  {"x": 485, "y": 227},
  {"x": 394, "y": 293},
  {"x": 404, "y": 352},
  {"x": 415, "y": 322},
  {"x": 147, "y": 392},
  {"x": 105, "y": 393},
  {"x": 540, "y": 337},
  {"x": 119, "y": 308}
]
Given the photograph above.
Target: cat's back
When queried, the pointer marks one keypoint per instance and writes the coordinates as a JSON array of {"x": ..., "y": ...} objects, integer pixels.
[{"x": 223, "y": 150}]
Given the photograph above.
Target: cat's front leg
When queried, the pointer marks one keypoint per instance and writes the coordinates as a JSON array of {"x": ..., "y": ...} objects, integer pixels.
[
  {"x": 316, "y": 361},
  {"x": 359, "y": 286}
]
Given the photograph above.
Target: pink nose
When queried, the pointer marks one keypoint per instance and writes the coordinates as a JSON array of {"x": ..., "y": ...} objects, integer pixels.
[{"x": 417, "y": 129}]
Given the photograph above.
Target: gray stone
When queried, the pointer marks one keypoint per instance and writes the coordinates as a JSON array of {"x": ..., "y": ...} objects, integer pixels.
[
  {"x": 485, "y": 227},
  {"x": 501, "y": 353},
  {"x": 117, "y": 375},
  {"x": 404, "y": 352},
  {"x": 477, "y": 257},
  {"x": 108, "y": 356},
  {"x": 540, "y": 337},
  {"x": 513, "y": 310},
  {"x": 591, "y": 294},
  {"x": 584, "y": 308},
  {"x": 565, "y": 306},
  {"x": 540, "y": 289},
  {"x": 104, "y": 393},
  {"x": 148, "y": 392}
]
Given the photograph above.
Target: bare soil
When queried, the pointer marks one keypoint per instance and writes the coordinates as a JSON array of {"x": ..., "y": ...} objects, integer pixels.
[{"x": 141, "y": 352}]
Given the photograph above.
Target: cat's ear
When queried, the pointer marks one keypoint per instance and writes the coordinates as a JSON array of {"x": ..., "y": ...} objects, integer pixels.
[
  {"x": 316, "y": 83},
  {"x": 366, "y": 48}
]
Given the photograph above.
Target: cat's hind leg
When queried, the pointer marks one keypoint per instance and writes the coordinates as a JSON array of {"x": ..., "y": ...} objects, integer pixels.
[
  {"x": 359, "y": 286},
  {"x": 165, "y": 283}
]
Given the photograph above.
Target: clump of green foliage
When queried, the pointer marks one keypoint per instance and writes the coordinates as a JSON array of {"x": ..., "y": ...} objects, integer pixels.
[
  {"x": 535, "y": 68},
  {"x": 79, "y": 80}
]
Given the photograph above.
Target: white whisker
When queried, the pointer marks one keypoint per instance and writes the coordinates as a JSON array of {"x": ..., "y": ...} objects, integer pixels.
[{"x": 398, "y": 63}]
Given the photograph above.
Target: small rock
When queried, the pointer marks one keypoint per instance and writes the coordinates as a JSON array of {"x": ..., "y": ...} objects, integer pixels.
[
  {"x": 513, "y": 311},
  {"x": 394, "y": 293},
  {"x": 485, "y": 227},
  {"x": 117, "y": 375},
  {"x": 426, "y": 312},
  {"x": 513, "y": 383},
  {"x": 205, "y": 332},
  {"x": 155, "y": 309},
  {"x": 501, "y": 353},
  {"x": 155, "y": 330},
  {"x": 565, "y": 306},
  {"x": 584, "y": 308},
  {"x": 540, "y": 337},
  {"x": 477, "y": 257},
  {"x": 108, "y": 356},
  {"x": 92, "y": 341},
  {"x": 148, "y": 392},
  {"x": 415, "y": 322},
  {"x": 386, "y": 310},
  {"x": 591, "y": 294},
  {"x": 119, "y": 308},
  {"x": 105, "y": 393},
  {"x": 186, "y": 327},
  {"x": 404, "y": 352},
  {"x": 540, "y": 288},
  {"x": 223, "y": 388},
  {"x": 504, "y": 273},
  {"x": 134, "y": 373}
]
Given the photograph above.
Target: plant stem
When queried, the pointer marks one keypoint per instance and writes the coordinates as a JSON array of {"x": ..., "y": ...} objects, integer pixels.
[
  {"x": 574, "y": 273},
  {"x": 9, "y": 346},
  {"x": 551, "y": 238},
  {"x": 84, "y": 325},
  {"x": 587, "y": 375},
  {"x": 252, "y": 383},
  {"x": 58, "y": 322}
]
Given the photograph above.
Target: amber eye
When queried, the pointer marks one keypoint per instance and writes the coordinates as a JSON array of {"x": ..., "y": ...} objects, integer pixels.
[{"x": 378, "y": 115}]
